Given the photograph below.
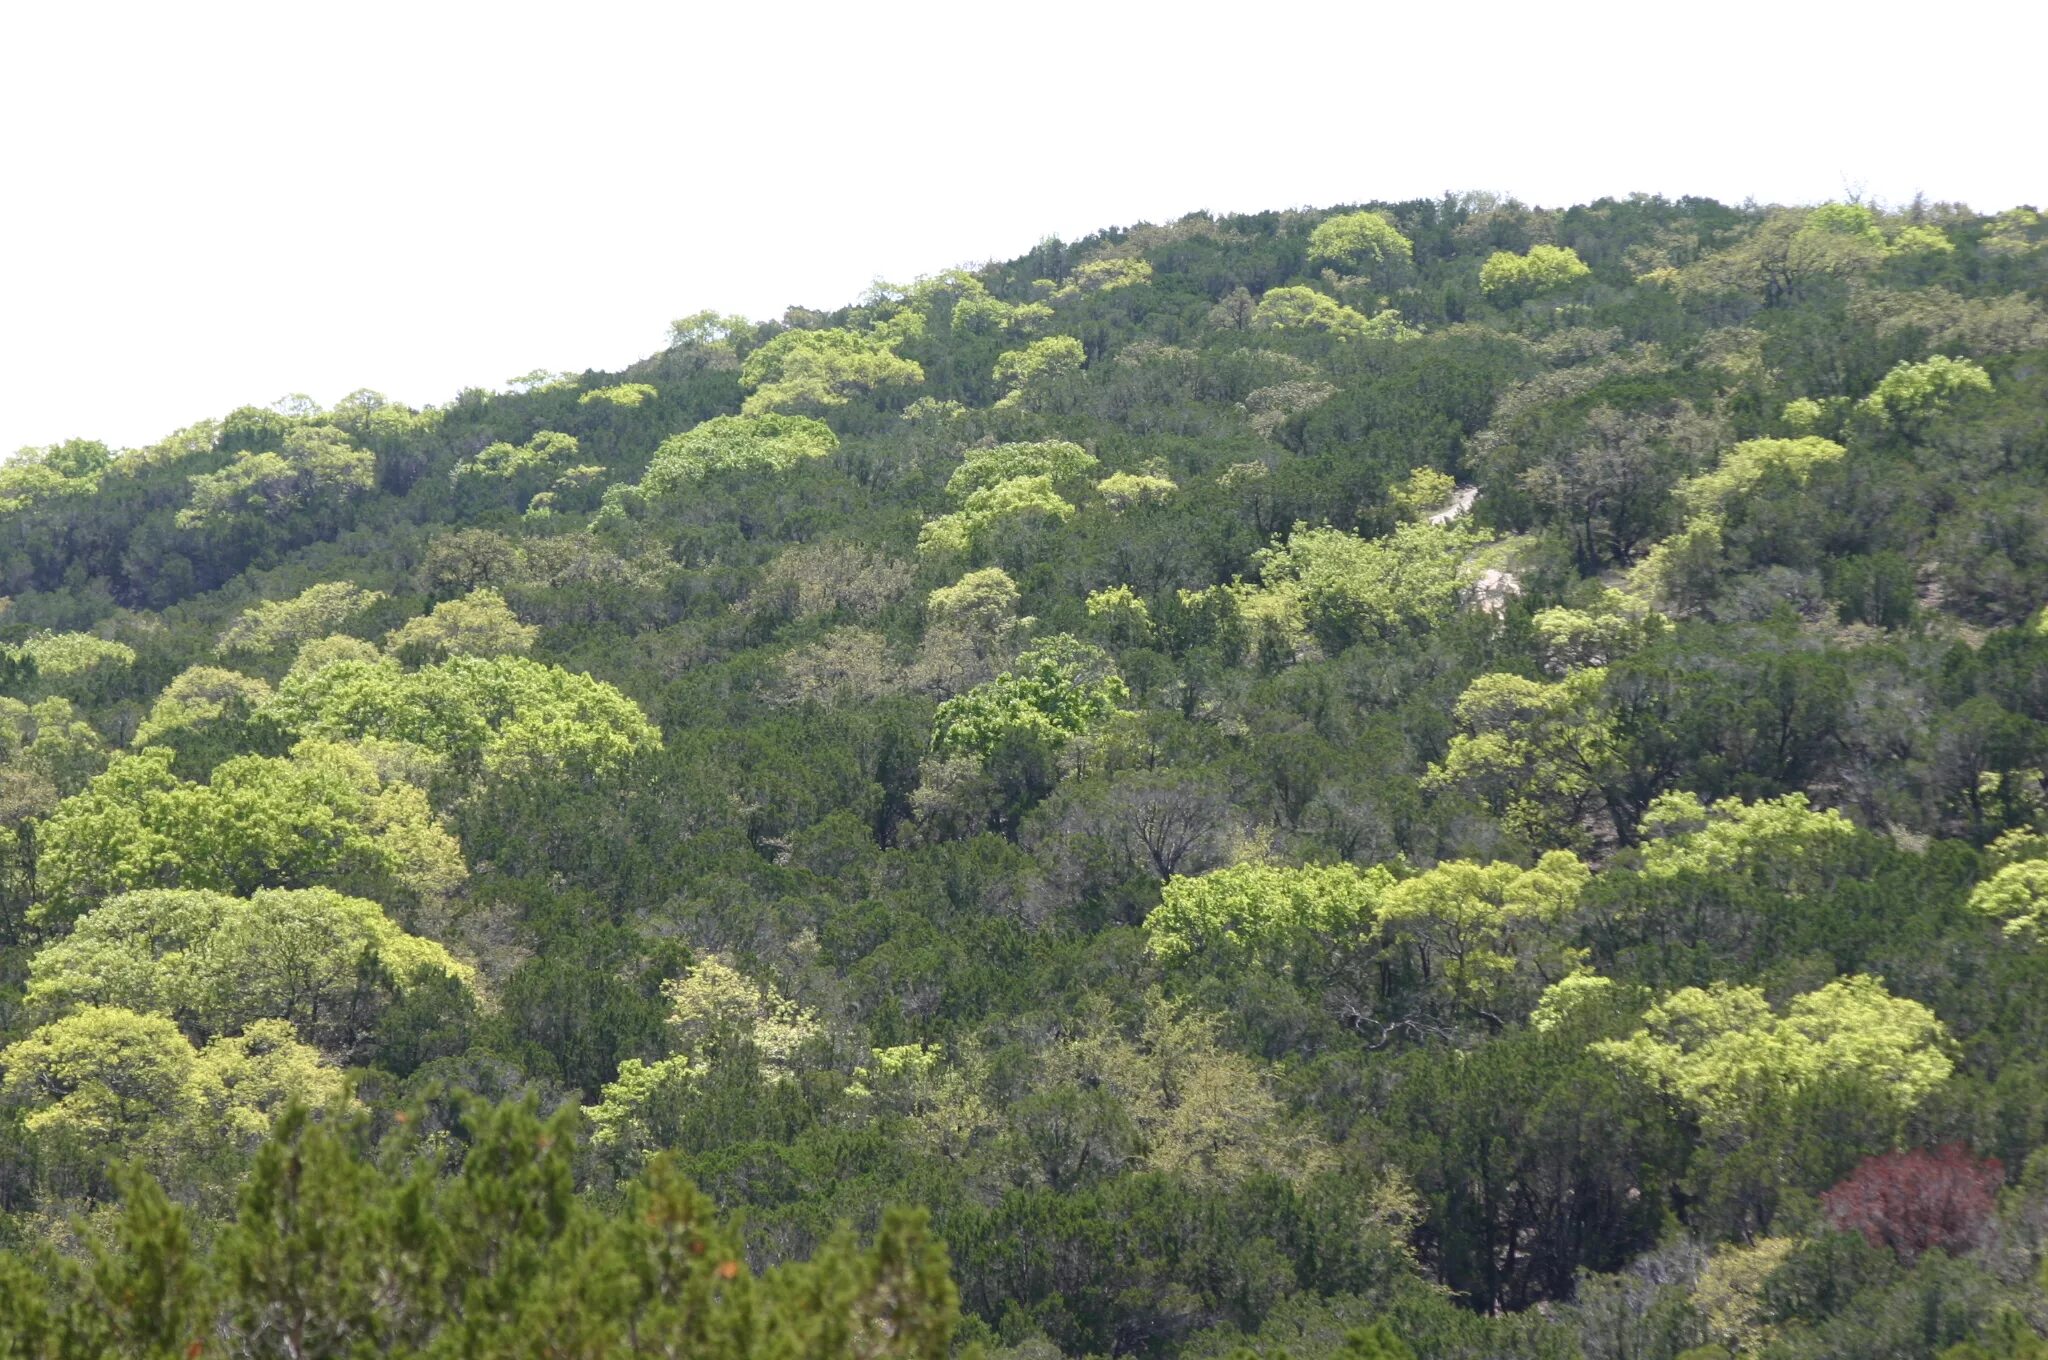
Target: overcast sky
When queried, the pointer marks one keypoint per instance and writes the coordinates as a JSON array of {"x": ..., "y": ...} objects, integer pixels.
[{"x": 204, "y": 205}]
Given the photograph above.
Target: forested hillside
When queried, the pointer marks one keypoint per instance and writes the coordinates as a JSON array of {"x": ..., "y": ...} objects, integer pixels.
[{"x": 1447, "y": 779}]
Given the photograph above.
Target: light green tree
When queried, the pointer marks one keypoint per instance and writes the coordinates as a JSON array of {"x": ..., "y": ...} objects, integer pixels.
[
  {"x": 1060, "y": 689},
  {"x": 1342, "y": 589},
  {"x": 1360, "y": 241},
  {"x": 1912, "y": 395},
  {"x": 1036, "y": 377},
  {"x": 1304, "y": 309},
  {"x": 621, "y": 394},
  {"x": 1020, "y": 499},
  {"x": 317, "y": 469},
  {"x": 1725, "y": 1053},
  {"x": 741, "y": 444},
  {"x": 67, "y": 656},
  {"x": 1517, "y": 278},
  {"x": 478, "y": 624},
  {"x": 1264, "y": 913},
  {"x": 819, "y": 370},
  {"x": 984, "y": 467},
  {"x": 1538, "y": 754},
  {"x": 315, "y": 612}
]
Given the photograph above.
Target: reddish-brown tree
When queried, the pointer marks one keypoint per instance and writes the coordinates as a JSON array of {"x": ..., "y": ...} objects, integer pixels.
[{"x": 1915, "y": 1201}]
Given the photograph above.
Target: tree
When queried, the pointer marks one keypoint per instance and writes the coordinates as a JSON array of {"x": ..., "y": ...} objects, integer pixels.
[
  {"x": 1304, "y": 309},
  {"x": 1286, "y": 919},
  {"x": 986, "y": 466},
  {"x": 823, "y": 369},
  {"x": 1036, "y": 377},
  {"x": 478, "y": 624},
  {"x": 752, "y": 443},
  {"x": 321, "y": 816},
  {"x": 316, "y": 471},
  {"x": 1912, "y": 395},
  {"x": 280, "y": 625},
  {"x": 217, "y": 964},
  {"x": 1724, "y": 1052},
  {"x": 1360, "y": 240},
  {"x": 1342, "y": 589},
  {"x": 1916, "y": 1201},
  {"x": 1543, "y": 269},
  {"x": 1060, "y": 689}
]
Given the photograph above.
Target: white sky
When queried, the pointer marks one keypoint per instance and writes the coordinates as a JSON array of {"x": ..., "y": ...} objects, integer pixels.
[{"x": 207, "y": 204}]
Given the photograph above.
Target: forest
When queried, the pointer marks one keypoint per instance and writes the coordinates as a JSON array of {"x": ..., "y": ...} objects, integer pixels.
[{"x": 1442, "y": 780}]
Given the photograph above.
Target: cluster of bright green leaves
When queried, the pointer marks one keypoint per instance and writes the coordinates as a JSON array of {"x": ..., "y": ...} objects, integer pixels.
[
  {"x": 501, "y": 461},
  {"x": 1103, "y": 276},
  {"x": 1264, "y": 912},
  {"x": 986, "y": 466},
  {"x": 1725, "y": 1053},
  {"x": 1537, "y": 753},
  {"x": 314, "y": 612},
  {"x": 37, "y": 476},
  {"x": 1912, "y": 394},
  {"x": 66, "y": 656},
  {"x": 1019, "y": 499},
  {"x": 1676, "y": 568},
  {"x": 1489, "y": 935},
  {"x": 104, "y": 1082},
  {"x": 1060, "y": 689},
  {"x": 619, "y": 394},
  {"x": 1543, "y": 269},
  {"x": 820, "y": 370},
  {"x": 714, "y": 1007},
  {"x": 316, "y": 467},
  {"x": 322, "y": 816},
  {"x": 497, "y": 714},
  {"x": 1359, "y": 240},
  {"x": 478, "y": 1247},
  {"x": 2016, "y": 894},
  {"x": 1033, "y": 377},
  {"x": 218, "y": 964},
  {"x": 745, "y": 444},
  {"x": 1295, "y": 308},
  {"x": 1341, "y": 589},
  {"x": 477, "y": 624}
]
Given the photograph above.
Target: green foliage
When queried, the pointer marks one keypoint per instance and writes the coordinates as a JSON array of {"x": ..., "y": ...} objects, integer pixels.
[
  {"x": 1264, "y": 912},
  {"x": 315, "y": 612},
  {"x": 1034, "y": 377},
  {"x": 501, "y": 714},
  {"x": 1060, "y": 689},
  {"x": 1304, "y": 309},
  {"x": 478, "y": 624},
  {"x": 217, "y": 964},
  {"x": 984, "y": 467},
  {"x": 1911, "y": 395},
  {"x": 1727, "y": 1054},
  {"x": 1360, "y": 240},
  {"x": 619, "y": 394},
  {"x": 316, "y": 469},
  {"x": 322, "y": 816},
  {"x": 769, "y": 444},
  {"x": 1342, "y": 589},
  {"x": 1542, "y": 269},
  {"x": 820, "y": 370}
]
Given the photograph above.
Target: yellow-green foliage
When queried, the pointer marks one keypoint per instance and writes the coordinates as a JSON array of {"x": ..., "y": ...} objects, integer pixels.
[
  {"x": 478, "y": 624},
  {"x": 735, "y": 444},
  {"x": 66, "y": 656},
  {"x": 1341, "y": 589},
  {"x": 323, "y": 816},
  {"x": 1304, "y": 309},
  {"x": 217, "y": 963},
  {"x": 1020, "y": 498},
  {"x": 505, "y": 712},
  {"x": 1541, "y": 270},
  {"x": 1726, "y": 1053},
  {"x": 1033, "y": 377},
  {"x": 1122, "y": 490},
  {"x": 1360, "y": 240},
  {"x": 111, "y": 1082},
  {"x": 623, "y": 394},
  {"x": 819, "y": 370},
  {"x": 983, "y": 467},
  {"x": 1263, "y": 911},
  {"x": 315, "y": 612}
]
